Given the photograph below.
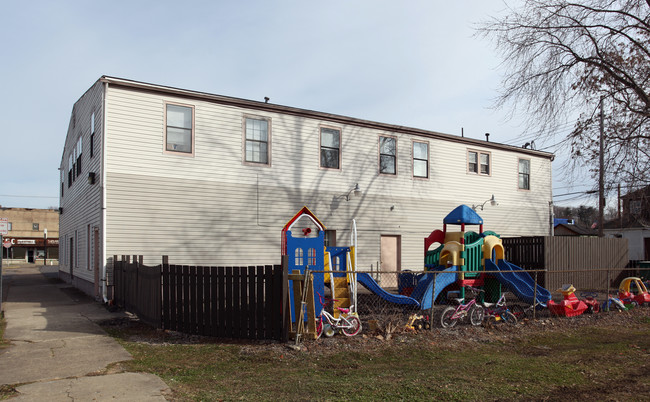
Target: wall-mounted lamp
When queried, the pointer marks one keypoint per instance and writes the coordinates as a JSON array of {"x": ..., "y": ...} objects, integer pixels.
[
  {"x": 356, "y": 189},
  {"x": 492, "y": 202},
  {"x": 91, "y": 177}
]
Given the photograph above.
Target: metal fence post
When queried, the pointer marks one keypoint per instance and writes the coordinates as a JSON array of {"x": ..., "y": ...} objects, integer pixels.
[
  {"x": 535, "y": 299},
  {"x": 607, "y": 294},
  {"x": 433, "y": 301}
]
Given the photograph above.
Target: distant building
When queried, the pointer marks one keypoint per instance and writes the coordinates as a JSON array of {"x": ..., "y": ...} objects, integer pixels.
[
  {"x": 211, "y": 180},
  {"x": 633, "y": 224},
  {"x": 26, "y": 240}
]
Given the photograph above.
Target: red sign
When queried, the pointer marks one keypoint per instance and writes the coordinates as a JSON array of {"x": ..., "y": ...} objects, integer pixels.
[{"x": 6, "y": 243}]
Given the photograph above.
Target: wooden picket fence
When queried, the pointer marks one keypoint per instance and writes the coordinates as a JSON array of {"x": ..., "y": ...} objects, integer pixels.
[{"x": 225, "y": 302}]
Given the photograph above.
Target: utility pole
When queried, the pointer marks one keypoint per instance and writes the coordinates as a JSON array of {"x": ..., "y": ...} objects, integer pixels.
[{"x": 601, "y": 174}]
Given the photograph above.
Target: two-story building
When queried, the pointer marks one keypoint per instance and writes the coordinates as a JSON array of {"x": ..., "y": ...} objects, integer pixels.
[
  {"x": 32, "y": 236},
  {"x": 211, "y": 180}
]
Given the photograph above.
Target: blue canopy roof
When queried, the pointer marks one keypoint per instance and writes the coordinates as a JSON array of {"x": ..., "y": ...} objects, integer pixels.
[{"x": 463, "y": 214}]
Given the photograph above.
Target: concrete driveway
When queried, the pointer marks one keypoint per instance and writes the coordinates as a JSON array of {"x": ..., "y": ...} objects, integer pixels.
[{"x": 57, "y": 351}]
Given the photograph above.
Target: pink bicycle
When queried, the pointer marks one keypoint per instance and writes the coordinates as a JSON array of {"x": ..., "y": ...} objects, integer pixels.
[
  {"x": 327, "y": 324},
  {"x": 451, "y": 315}
]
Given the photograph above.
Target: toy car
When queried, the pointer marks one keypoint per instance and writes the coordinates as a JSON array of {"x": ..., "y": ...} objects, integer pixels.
[{"x": 633, "y": 289}]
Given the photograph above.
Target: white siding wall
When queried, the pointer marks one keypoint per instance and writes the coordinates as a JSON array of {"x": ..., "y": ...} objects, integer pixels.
[
  {"x": 81, "y": 202},
  {"x": 213, "y": 209}
]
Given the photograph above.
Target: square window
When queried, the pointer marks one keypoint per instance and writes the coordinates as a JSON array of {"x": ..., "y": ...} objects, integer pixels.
[
  {"x": 179, "y": 128},
  {"x": 524, "y": 174},
  {"x": 478, "y": 162},
  {"x": 330, "y": 148},
  {"x": 420, "y": 159},
  {"x": 34, "y": 226},
  {"x": 387, "y": 155},
  {"x": 257, "y": 138}
]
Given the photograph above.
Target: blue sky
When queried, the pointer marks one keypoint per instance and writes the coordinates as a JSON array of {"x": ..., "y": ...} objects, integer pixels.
[{"x": 412, "y": 63}]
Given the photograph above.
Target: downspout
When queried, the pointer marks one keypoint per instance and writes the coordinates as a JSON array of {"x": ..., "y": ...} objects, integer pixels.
[{"x": 104, "y": 277}]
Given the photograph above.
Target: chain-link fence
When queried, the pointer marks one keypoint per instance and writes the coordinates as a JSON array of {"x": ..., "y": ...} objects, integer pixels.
[{"x": 389, "y": 300}]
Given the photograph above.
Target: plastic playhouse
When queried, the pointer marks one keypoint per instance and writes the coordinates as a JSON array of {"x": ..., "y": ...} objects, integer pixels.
[
  {"x": 571, "y": 306},
  {"x": 633, "y": 289},
  {"x": 307, "y": 251}
]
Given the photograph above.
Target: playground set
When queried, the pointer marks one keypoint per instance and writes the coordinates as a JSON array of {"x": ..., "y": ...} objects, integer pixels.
[{"x": 462, "y": 259}]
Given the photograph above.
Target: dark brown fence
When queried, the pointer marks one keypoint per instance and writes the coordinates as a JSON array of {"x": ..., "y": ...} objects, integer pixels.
[
  {"x": 226, "y": 302},
  {"x": 137, "y": 288},
  {"x": 229, "y": 302}
]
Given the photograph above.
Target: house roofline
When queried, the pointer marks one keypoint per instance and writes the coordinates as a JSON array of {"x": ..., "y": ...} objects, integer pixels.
[{"x": 270, "y": 107}]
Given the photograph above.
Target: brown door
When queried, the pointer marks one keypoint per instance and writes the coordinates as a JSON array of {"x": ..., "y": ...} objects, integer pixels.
[
  {"x": 646, "y": 246},
  {"x": 96, "y": 259},
  {"x": 390, "y": 260}
]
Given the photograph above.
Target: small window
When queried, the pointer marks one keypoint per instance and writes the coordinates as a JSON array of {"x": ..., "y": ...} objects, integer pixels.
[
  {"x": 311, "y": 257},
  {"x": 257, "y": 140},
  {"x": 524, "y": 174},
  {"x": 635, "y": 207},
  {"x": 179, "y": 128},
  {"x": 34, "y": 226},
  {"x": 420, "y": 159},
  {"x": 330, "y": 148},
  {"x": 298, "y": 257},
  {"x": 330, "y": 238},
  {"x": 485, "y": 163},
  {"x": 387, "y": 155},
  {"x": 10, "y": 226},
  {"x": 478, "y": 162}
]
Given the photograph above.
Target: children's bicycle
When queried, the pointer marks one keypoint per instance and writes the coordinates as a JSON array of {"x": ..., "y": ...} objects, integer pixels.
[
  {"x": 498, "y": 311},
  {"x": 451, "y": 315},
  {"x": 329, "y": 325},
  {"x": 520, "y": 312}
]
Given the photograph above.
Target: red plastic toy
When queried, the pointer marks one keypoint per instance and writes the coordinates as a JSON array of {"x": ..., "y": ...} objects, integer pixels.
[{"x": 570, "y": 306}]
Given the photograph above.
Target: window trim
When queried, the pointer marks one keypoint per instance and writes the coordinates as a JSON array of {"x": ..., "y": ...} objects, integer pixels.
[
  {"x": 180, "y": 153},
  {"x": 519, "y": 173},
  {"x": 268, "y": 140},
  {"x": 413, "y": 159},
  {"x": 379, "y": 154},
  {"x": 478, "y": 162},
  {"x": 320, "y": 146}
]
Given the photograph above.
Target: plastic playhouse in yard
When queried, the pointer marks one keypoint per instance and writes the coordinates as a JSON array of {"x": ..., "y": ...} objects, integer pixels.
[
  {"x": 571, "y": 306},
  {"x": 306, "y": 251},
  {"x": 633, "y": 289}
]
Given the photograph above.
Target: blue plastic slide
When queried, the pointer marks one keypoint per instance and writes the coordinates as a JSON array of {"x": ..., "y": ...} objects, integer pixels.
[
  {"x": 518, "y": 281},
  {"x": 421, "y": 295},
  {"x": 366, "y": 280}
]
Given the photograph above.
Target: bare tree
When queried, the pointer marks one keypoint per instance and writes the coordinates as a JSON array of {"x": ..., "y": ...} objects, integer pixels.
[{"x": 563, "y": 57}]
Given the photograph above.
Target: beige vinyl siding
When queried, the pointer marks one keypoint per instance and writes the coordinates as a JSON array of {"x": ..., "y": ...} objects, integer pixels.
[
  {"x": 214, "y": 209},
  {"x": 81, "y": 202}
]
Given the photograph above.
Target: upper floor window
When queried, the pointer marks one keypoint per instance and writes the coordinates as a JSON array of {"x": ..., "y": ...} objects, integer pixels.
[
  {"x": 34, "y": 226},
  {"x": 635, "y": 206},
  {"x": 420, "y": 159},
  {"x": 478, "y": 162},
  {"x": 330, "y": 148},
  {"x": 387, "y": 155},
  {"x": 524, "y": 174},
  {"x": 92, "y": 134},
  {"x": 179, "y": 128},
  {"x": 257, "y": 137},
  {"x": 10, "y": 226},
  {"x": 79, "y": 152}
]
